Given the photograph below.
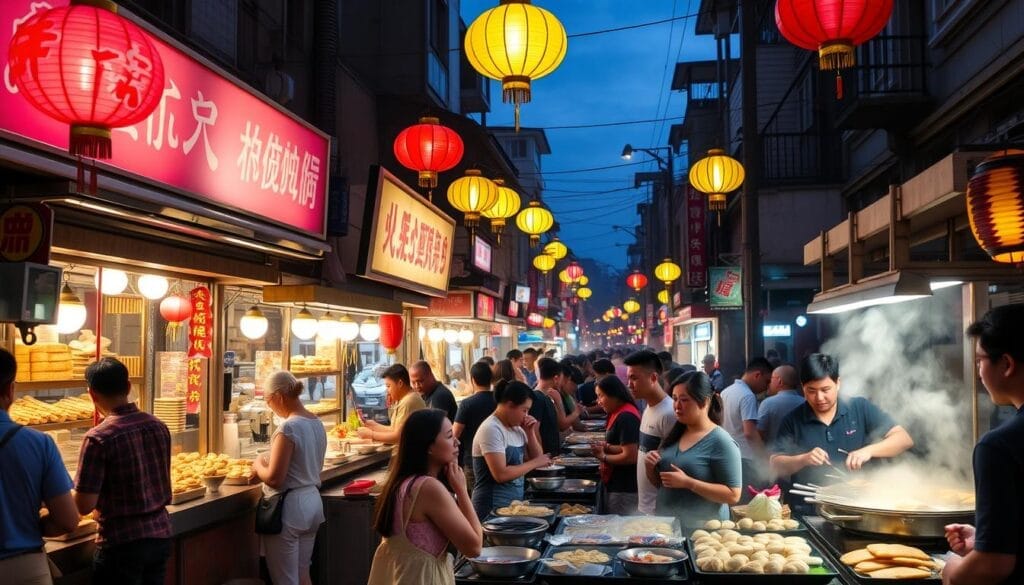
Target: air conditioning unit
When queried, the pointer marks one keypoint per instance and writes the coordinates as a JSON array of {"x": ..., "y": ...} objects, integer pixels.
[{"x": 279, "y": 86}]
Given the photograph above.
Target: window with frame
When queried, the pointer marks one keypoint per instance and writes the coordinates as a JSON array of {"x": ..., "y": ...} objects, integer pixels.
[{"x": 517, "y": 148}]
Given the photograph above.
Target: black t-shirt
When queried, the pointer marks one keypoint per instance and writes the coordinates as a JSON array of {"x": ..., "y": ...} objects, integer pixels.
[
  {"x": 544, "y": 411},
  {"x": 586, "y": 393},
  {"x": 472, "y": 411},
  {"x": 998, "y": 483},
  {"x": 625, "y": 431},
  {"x": 442, "y": 399}
]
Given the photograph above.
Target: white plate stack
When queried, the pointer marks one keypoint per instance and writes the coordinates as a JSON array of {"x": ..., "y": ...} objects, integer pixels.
[{"x": 171, "y": 411}]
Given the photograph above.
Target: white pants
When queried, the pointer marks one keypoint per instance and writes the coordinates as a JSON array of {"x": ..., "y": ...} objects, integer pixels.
[{"x": 289, "y": 553}]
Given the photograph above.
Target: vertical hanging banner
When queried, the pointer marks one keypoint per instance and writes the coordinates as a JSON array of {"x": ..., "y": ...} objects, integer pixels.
[
  {"x": 696, "y": 240},
  {"x": 200, "y": 339},
  {"x": 200, "y": 329}
]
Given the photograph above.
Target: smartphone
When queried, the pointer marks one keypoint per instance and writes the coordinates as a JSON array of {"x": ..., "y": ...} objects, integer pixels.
[{"x": 664, "y": 465}]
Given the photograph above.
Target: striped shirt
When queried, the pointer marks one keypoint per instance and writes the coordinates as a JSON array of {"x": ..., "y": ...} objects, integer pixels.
[{"x": 126, "y": 459}]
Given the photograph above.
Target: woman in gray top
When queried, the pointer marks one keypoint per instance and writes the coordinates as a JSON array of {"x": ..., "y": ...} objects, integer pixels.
[
  {"x": 697, "y": 470},
  {"x": 296, "y": 457}
]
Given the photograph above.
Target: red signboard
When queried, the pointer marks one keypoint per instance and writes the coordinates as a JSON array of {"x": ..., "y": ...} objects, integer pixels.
[
  {"x": 696, "y": 240},
  {"x": 209, "y": 137},
  {"x": 200, "y": 326},
  {"x": 195, "y": 384},
  {"x": 26, "y": 231},
  {"x": 457, "y": 305},
  {"x": 513, "y": 309},
  {"x": 484, "y": 307}
]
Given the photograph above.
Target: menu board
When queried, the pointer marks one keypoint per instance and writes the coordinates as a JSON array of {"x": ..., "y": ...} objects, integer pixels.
[{"x": 172, "y": 374}]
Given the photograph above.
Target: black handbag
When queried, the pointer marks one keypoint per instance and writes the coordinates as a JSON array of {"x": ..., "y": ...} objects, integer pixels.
[{"x": 268, "y": 513}]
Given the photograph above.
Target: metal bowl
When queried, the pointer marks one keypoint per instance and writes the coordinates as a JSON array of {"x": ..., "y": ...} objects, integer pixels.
[
  {"x": 546, "y": 484},
  {"x": 580, "y": 450},
  {"x": 524, "y": 531},
  {"x": 505, "y": 561},
  {"x": 549, "y": 471},
  {"x": 640, "y": 569}
]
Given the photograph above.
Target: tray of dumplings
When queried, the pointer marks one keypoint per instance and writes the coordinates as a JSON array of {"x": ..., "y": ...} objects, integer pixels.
[
  {"x": 587, "y": 564},
  {"x": 727, "y": 556},
  {"x": 750, "y": 526},
  {"x": 608, "y": 529}
]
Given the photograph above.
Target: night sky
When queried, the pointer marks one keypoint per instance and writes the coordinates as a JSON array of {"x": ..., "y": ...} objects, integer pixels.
[{"x": 613, "y": 77}]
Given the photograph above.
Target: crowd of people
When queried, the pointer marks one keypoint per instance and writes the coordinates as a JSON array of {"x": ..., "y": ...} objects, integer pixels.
[{"x": 679, "y": 442}]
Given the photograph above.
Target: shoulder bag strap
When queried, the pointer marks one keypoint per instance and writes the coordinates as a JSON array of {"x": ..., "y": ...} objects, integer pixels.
[{"x": 9, "y": 435}]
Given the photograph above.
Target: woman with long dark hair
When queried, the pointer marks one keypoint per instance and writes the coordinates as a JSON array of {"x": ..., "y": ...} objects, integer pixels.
[
  {"x": 505, "y": 370},
  {"x": 506, "y": 447},
  {"x": 619, "y": 450},
  {"x": 697, "y": 470},
  {"x": 417, "y": 514}
]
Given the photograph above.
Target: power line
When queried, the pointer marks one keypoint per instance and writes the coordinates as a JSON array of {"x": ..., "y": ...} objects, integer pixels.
[
  {"x": 591, "y": 169},
  {"x": 607, "y": 124}
]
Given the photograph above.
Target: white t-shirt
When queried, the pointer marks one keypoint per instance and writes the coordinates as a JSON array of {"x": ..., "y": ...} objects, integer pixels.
[
  {"x": 655, "y": 424},
  {"x": 738, "y": 405},
  {"x": 494, "y": 437},
  {"x": 310, "y": 441}
]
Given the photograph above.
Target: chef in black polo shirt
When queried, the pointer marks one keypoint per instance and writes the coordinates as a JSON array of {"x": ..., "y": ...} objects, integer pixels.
[{"x": 828, "y": 431}]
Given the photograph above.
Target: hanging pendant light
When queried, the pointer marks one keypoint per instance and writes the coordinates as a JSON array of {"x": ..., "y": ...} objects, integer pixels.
[
  {"x": 717, "y": 175},
  {"x": 556, "y": 249},
  {"x": 428, "y": 148},
  {"x": 451, "y": 335},
  {"x": 328, "y": 327},
  {"x": 435, "y": 334},
  {"x": 348, "y": 329},
  {"x": 114, "y": 281},
  {"x": 515, "y": 43},
  {"x": 584, "y": 293},
  {"x": 304, "y": 325},
  {"x": 506, "y": 206},
  {"x": 151, "y": 286},
  {"x": 668, "y": 271},
  {"x": 544, "y": 263},
  {"x": 254, "y": 323},
  {"x": 472, "y": 194},
  {"x": 636, "y": 281},
  {"x": 833, "y": 28},
  {"x": 392, "y": 329},
  {"x": 71, "y": 311},
  {"x": 534, "y": 221},
  {"x": 369, "y": 329},
  {"x": 631, "y": 306},
  {"x": 466, "y": 336},
  {"x": 995, "y": 206}
]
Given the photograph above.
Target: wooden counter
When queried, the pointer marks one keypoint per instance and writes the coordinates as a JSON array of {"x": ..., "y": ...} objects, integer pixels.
[{"x": 214, "y": 539}]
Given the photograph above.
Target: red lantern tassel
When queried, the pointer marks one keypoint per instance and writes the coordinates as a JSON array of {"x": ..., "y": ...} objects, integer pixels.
[
  {"x": 839, "y": 85},
  {"x": 90, "y": 141}
]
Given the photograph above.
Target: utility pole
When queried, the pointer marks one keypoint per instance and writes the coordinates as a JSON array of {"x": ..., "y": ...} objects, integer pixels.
[{"x": 750, "y": 214}]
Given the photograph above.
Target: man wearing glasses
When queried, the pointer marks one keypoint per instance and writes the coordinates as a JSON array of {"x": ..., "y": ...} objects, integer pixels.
[{"x": 826, "y": 431}]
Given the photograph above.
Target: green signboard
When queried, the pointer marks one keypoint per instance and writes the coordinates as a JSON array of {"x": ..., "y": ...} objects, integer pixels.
[{"x": 726, "y": 287}]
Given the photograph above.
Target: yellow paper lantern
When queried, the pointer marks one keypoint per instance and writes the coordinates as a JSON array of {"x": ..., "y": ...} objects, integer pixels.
[
  {"x": 631, "y": 306},
  {"x": 506, "y": 206},
  {"x": 472, "y": 195},
  {"x": 995, "y": 206},
  {"x": 544, "y": 263},
  {"x": 564, "y": 277},
  {"x": 668, "y": 271},
  {"x": 663, "y": 297},
  {"x": 717, "y": 175},
  {"x": 534, "y": 221},
  {"x": 549, "y": 322},
  {"x": 583, "y": 281},
  {"x": 556, "y": 249},
  {"x": 516, "y": 43},
  {"x": 624, "y": 317},
  {"x": 605, "y": 318},
  {"x": 584, "y": 293}
]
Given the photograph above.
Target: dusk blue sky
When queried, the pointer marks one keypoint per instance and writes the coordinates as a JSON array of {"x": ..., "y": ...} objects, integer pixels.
[{"x": 613, "y": 77}]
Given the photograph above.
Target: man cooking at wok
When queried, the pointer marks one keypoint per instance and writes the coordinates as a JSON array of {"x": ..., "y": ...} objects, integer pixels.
[
  {"x": 992, "y": 552},
  {"x": 824, "y": 439}
]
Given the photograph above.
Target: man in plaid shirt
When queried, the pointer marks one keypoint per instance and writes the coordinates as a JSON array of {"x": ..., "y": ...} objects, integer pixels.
[{"x": 124, "y": 473}]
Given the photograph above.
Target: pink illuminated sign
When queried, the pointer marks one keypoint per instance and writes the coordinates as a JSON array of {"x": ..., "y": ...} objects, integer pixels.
[{"x": 208, "y": 137}]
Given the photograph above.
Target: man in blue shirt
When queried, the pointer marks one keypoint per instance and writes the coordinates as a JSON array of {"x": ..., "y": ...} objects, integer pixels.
[
  {"x": 817, "y": 434},
  {"x": 31, "y": 474},
  {"x": 783, "y": 398},
  {"x": 992, "y": 552},
  {"x": 739, "y": 419},
  {"x": 714, "y": 374}
]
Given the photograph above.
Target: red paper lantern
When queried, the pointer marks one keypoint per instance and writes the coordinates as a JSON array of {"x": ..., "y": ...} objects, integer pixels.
[
  {"x": 391, "y": 331},
  {"x": 574, "y": 270},
  {"x": 636, "y": 281},
  {"x": 86, "y": 66},
  {"x": 175, "y": 308},
  {"x": 428, "y": 147},
  {"x": 832, "y": 27},
  {"x": 535, "y": 319}
]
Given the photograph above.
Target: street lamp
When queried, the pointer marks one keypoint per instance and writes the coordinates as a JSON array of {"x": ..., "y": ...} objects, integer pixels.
[{"x": 665, "y": 165}]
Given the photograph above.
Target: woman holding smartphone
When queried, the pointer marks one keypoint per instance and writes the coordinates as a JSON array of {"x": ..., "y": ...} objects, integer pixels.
[{"x": 697, "y": 470}]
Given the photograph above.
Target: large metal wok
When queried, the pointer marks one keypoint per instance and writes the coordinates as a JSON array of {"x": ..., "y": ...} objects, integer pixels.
[{"x": 918, "y": 511}]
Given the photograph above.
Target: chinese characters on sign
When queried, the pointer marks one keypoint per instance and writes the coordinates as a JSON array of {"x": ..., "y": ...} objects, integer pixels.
[
  {"x": 200, "y": 327},
  {"x": 194, "y": 388},
  {"x": 696, "y": 240},
  {"x": 25, "y": 231},
  {"x": 410, "y": 244},
  {"x": 726, "y": 291},
  {"x": 484, "y": 307},
  {"x": 458, "y": 304},
  {"x": 207, "y": 136},
  {"x": 481, "y": 254}
]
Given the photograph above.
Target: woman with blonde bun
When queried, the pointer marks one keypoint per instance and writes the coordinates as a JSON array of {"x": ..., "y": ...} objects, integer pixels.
[{"x": 296, "y": 457}]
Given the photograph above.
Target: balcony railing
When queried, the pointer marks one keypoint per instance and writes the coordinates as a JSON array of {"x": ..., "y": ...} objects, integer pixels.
[{"x": 888, "y": 65}]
